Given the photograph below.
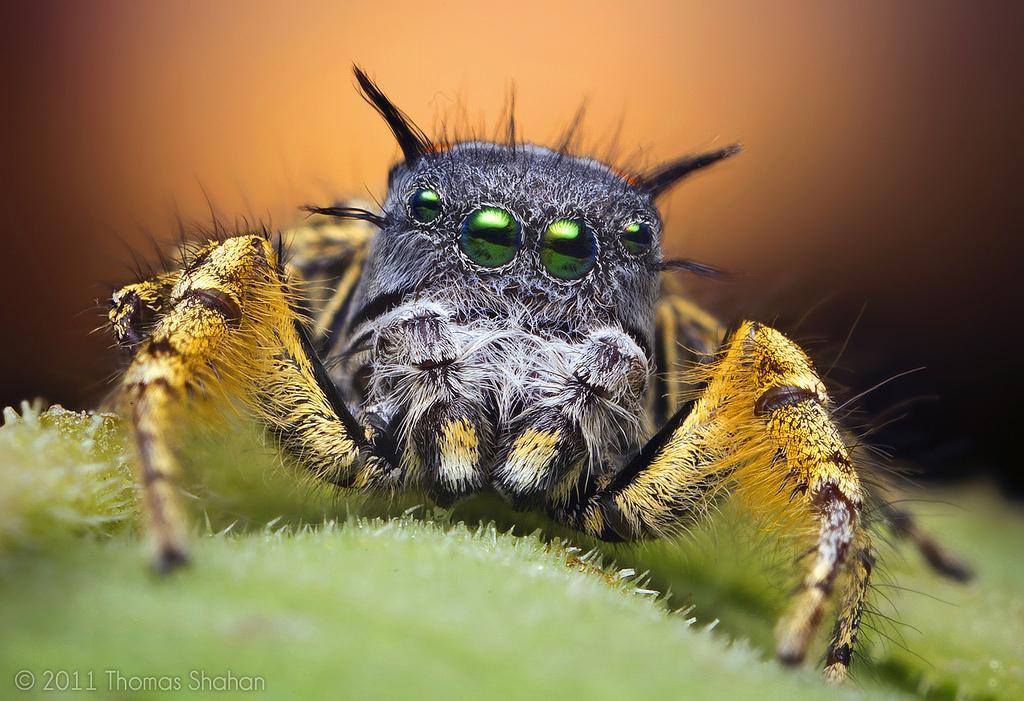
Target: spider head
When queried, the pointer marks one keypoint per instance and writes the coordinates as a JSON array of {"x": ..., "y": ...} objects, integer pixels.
[{"x": 492, "y": 226}]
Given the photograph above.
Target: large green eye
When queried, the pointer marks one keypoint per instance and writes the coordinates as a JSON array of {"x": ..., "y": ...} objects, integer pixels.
[
  {"x": 568, "y": 249},
  {"x": 425, "y": 205},
  {"x": 490, "y": 237},
  {"x": 637, "y": 238}
]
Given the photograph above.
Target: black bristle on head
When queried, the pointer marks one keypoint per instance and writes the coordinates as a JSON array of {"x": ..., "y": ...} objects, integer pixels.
[
  {"x": 510, "y": 128},
  {"x": 664, "y": 177},
  {"x": 567, "y": 141},
  {"x": 348, "y": 213},
  {"x": 413, "y": 141}
]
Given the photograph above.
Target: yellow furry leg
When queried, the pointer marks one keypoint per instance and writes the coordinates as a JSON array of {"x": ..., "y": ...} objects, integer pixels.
[
  {"x": 761, "y": 429},
  {"x": 227, "y": 327}
]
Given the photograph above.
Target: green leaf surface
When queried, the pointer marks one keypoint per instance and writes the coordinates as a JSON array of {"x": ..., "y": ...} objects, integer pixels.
[{"x": 312, "y": 596}]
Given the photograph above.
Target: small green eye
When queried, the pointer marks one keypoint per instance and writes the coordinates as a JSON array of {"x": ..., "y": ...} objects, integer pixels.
[
  {"x": 490, "y": 237},
  {"x": 425, "y": 205},
  {"x": 637, "y": 238},
  {"x": 568, "y": 249}
]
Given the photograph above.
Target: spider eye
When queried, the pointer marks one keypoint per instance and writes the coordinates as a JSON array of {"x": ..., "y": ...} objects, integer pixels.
[
  {"x": 490, "y": 237},
  {"x": 637, "y": 238},
  {"x": 568, "y": 249},
  {"x": 425, "y": 205}
]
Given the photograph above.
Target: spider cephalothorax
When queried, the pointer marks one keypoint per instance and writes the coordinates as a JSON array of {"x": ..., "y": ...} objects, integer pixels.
[
  {"x": 503, "y": 327},
  {"x": 504, "y": 322}
]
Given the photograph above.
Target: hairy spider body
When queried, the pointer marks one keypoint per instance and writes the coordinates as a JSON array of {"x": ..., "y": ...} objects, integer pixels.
[
  {"x": 504, "y": 324},
  {"x": 472, "y": 368}
]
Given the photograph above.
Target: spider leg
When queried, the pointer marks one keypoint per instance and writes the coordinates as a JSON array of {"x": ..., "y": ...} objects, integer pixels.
[
  {"x": 761, "y": 429},
  {"x": 687, "y": 336},
  {"x": 135, "y": 308},
  {"x": 227, "y": 325},
  {"x": 844, "y": 632},
  {"x": 327, "y": 255},
  {"x": 903, "y": 525}
]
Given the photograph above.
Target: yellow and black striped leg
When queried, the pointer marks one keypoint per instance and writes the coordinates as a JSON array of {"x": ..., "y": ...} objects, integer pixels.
[
  {"x": 687, "y": 335},
  {"x": 847, "y": 625},
  {"x": 761, "y": 430},
  {"x": 227, "y": 327}
]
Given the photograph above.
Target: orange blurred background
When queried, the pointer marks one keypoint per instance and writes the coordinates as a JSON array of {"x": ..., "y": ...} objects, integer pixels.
[{"x": 882, "y": 162}]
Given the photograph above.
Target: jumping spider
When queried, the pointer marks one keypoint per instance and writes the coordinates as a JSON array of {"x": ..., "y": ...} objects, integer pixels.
[{"x": 503, "y": 323}]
